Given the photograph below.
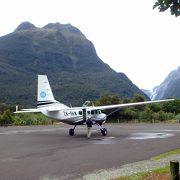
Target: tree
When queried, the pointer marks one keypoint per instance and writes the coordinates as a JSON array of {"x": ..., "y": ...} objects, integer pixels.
[
  {"x": 173, "y": 5},
  {"x": 107, "y": 100},
  {"x": 173, "y": 107},
  {"x": 146, "y": 115},
  {"x": 6, "y": 118},
  {"x": 138, "y": 98}
]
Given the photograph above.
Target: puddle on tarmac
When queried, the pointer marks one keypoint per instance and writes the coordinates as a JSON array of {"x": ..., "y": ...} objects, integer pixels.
[
  {"x": 142, "y": 136},
  {"x": 105, "y": 140}
]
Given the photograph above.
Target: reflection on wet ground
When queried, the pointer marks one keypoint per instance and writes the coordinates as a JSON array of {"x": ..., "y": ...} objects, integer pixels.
[
  {"x": 104, "y": 140},
  {"x": 133, "y": 136},
  {"x": 142, "y": 136}
]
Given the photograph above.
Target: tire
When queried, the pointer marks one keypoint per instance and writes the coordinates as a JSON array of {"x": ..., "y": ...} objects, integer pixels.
[
  {"x": 104, "y": 131},
  {"x": 71, "y": 132}
]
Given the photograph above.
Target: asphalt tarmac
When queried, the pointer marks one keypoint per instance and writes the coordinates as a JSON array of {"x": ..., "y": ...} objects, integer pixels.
[{"x": 48, "y": 152}]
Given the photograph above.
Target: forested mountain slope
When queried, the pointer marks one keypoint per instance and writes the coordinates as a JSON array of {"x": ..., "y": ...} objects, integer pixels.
[{"x": 70, "y": 61}]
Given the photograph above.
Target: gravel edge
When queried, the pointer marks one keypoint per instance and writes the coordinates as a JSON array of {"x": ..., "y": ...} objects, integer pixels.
[{"x": 129, "y": 169}]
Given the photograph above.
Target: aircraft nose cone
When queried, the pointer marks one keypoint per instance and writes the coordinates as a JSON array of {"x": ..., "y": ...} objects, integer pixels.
[{"x": 104, "y": 116}]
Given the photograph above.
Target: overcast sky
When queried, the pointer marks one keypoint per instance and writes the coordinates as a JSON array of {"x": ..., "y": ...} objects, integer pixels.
[{"x": 128, "y": 35}]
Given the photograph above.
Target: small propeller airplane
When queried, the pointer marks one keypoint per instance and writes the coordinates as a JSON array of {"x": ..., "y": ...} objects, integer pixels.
[{"x": 47, "y": 105}]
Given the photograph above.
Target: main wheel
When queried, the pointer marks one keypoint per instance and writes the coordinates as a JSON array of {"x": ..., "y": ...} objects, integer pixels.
[
  {"x": 104, "y": 131},
  {"x": 71, "y": 132}
]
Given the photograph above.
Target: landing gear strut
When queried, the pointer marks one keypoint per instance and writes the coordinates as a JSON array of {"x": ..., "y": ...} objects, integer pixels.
[{"x": 71, "y": 131}]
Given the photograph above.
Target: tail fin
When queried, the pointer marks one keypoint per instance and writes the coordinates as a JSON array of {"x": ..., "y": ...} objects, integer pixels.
[{"x": 45, "y": 95}]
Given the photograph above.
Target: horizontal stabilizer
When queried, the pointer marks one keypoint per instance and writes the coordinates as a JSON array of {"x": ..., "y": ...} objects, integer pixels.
[
  {"x": 28, "y": 111},
  {"x": 53, "y": 110}
]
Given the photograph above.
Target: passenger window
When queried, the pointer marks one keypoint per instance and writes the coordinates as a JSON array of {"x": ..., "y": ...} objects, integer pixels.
[
  {"x": 88, "y": 112},
  {"x": 92, "y": 112},
  {"x": 80, "y": 112}
]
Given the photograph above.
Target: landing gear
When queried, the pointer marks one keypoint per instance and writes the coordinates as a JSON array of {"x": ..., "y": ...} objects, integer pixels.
[
  {"x": 71, "y": 131},
  {"x": 104, "y": 131}
]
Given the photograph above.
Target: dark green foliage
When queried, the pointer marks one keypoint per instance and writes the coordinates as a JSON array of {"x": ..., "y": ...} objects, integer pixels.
[
  {"x": 156, "y": 107},
  {"x": 172, "y": 107},
  {"x": 145, "y": 113},
  {"x": 30, "y": 119},
  {"x": 107, "y": 100},
  {"x": 177, "y": 117},
  {"x": 173, "y": 5},
  {"x": 138, "y": 98},
  {"x": 6, "y": 118},
  {"x": 75, "y": 72}
]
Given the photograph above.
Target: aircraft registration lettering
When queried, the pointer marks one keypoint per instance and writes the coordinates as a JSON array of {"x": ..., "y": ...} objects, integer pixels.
[{"x": 69, "y": 113}]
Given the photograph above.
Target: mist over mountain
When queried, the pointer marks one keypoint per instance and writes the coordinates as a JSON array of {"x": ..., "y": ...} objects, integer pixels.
[
  {"x": 170, "y": 87},
  {"x": 147, "y": 92},
  {"x": 66, "y": 56}
]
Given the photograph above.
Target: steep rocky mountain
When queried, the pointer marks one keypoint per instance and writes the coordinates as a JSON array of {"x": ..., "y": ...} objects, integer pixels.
[
  {"x": 70, "y": 61},
  {"x": 169, "y": 88}
]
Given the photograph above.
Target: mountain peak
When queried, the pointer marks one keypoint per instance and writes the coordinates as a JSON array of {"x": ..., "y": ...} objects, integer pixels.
[
  {"x": 63, "y": 27},
  {"x": 68, "y": 58},
  {"x": 25, "y": 26},
  {"x": 56, "y": 25}
]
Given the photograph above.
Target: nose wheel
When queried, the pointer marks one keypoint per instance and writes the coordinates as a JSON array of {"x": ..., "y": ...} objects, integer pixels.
[{"x": 104, "y": 131}]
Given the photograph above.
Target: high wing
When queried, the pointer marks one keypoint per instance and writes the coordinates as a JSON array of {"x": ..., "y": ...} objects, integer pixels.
[
  {"x": 127, "y": 104},
  {"x": 116, "y": 106}
]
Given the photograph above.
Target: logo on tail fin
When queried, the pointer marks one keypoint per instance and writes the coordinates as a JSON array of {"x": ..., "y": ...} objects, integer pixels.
[{"x": 43, "y": 94}]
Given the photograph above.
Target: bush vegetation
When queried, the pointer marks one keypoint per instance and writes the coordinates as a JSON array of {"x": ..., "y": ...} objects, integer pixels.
[
  {"x": 8, "y": 118},
  {"x": 161, "y": 112}
]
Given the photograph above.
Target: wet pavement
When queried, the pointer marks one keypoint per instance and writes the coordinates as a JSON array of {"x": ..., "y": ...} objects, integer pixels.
[{"x": 48, "y": 152}]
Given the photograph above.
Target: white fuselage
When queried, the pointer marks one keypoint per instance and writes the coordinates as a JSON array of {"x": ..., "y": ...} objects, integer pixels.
[{"x": 74, "y": 115}]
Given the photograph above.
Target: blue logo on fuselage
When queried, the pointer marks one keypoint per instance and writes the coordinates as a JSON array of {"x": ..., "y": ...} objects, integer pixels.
[{"x": 43, "y": 94}]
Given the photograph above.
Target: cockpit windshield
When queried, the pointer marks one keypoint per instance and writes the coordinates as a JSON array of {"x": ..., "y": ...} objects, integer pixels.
[{"x": 93, "y": 112}]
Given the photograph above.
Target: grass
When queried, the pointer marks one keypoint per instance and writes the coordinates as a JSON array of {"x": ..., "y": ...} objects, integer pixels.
[
  {"x": 177, "y": 151},
  {"x": 158, "y": 174},
  {"x": 162, "y": 173}
]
